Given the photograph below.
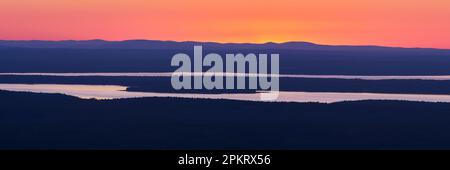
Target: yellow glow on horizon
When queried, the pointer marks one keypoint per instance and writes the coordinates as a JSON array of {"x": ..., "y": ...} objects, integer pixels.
[{"x": 408, "y": 23}]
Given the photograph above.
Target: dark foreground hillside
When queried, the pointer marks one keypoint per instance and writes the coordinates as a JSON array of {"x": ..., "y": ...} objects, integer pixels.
[{"x": 29, "y": 120}]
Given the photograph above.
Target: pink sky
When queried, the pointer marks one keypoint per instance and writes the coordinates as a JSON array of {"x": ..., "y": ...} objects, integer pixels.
[{"x": 406, "y": 23}]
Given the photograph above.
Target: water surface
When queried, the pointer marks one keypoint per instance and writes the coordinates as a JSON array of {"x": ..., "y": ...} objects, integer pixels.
[{"x": 117, "y": 92}]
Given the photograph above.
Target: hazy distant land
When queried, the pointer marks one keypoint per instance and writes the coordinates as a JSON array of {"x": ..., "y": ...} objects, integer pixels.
[{"x": 155, "y": 56}]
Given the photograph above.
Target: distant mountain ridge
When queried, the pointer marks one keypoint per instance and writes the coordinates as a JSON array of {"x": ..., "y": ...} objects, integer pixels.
[
  {"x": 155, "y": 56},
  {"x": 157, "y": 44}
]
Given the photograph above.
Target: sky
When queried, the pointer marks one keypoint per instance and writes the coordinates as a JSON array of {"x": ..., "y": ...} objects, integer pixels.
[{"x": 404, "y": 23}]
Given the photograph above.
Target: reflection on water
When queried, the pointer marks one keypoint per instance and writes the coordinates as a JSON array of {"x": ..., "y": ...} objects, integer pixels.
[
  {"x": 82, "y": 91},
  {"x": 115, "y": 92},
  {"x": 167, "y": 74}
]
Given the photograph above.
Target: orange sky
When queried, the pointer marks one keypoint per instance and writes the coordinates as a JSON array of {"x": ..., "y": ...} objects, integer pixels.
[{"x": 407, "y": 23}]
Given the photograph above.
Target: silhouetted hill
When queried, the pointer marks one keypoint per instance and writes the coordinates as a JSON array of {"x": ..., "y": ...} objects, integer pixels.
[
  {"x": 186, "y": 45},
  {"x": 44, "y": 121}
]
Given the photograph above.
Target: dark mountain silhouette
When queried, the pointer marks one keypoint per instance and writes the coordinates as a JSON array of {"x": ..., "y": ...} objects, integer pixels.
[
  {"x": 155, "y": 56},
  {"x": 50, "y": 121},
  {"x": 156, "y": 44}
]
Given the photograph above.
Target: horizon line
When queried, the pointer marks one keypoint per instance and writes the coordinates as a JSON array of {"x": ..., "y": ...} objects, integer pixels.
[{"x": 220, "y": 42}]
